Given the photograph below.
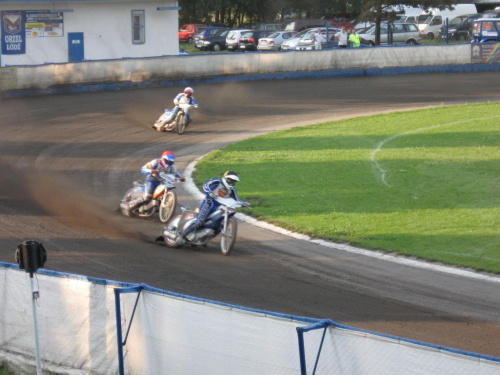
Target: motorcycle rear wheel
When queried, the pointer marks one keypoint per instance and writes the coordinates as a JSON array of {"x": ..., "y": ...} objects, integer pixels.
[
  {"x": 181, "y": 123},
  {"x": 228, "y": 238},
  {"x": 126, "y": 199},
  {"x": 167, "y": 205}
]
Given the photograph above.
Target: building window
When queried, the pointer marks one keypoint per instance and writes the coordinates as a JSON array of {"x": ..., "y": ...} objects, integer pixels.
[{"x": 138, "y": 31}]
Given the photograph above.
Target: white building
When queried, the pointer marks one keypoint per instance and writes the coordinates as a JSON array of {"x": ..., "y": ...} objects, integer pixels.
[{"x": 42, "y": 32}]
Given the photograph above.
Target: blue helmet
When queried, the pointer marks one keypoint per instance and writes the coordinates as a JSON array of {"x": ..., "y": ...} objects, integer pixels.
[{"x": 167, "y": 158}]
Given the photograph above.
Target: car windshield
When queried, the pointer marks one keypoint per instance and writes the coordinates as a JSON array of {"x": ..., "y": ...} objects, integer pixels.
[
  {"x": 274, "y": 35},
  {"x": 456, "y": 21},
  {"x": 424, "y": 19},
  {"x": 247, "y": 34},
  {"x": 221, "y": 32}
]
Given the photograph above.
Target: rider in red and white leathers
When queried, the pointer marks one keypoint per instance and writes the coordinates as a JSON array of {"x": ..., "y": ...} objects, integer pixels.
[{"x": 153, "y": 168}]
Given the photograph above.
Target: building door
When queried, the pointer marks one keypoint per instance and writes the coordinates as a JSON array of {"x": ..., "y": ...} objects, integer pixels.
[{"x": 75, "y": 47}]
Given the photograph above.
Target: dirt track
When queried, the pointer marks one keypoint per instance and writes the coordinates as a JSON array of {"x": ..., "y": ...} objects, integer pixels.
[{"x": 65, "y": 161}]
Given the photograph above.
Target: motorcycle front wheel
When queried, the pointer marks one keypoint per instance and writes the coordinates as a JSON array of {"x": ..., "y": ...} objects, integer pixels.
[
  {"x": 228, "y": 237},
  {"x": 172, "y": 226},
  {"x": 167, "y": 205},
  {"x": 181, "y": 123}
]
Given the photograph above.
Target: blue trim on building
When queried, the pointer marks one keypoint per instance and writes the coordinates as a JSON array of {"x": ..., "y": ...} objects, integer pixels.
[{"x": 257, "y": 77}]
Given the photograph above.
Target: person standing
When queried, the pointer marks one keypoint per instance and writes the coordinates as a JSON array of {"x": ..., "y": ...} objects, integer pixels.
[
  {"x": 318, "y": 39},
  {"x": 341, "y": 36},
  {"x": 355, "y": 39}
]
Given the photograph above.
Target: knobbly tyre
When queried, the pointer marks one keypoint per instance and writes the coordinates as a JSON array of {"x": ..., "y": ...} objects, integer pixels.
[
  {"x": 179, "y": 123},
  {"x": 164, "y": 199},
  {"x": 220, "y": 221}
]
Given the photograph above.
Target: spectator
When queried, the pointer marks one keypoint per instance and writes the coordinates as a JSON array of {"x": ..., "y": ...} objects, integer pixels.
[
  {"x": 318, "y": 39},
  {"x": 355, "y": 39},
  {"x": 341, "y": 36}
]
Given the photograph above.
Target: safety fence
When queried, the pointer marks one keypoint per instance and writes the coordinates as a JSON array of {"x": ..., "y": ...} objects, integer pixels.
[
  {"x": 98, "y": 326},
  {"x": 194, "y": 69}
]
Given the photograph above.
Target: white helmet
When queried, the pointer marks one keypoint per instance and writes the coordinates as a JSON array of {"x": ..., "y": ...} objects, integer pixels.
[
  {"x": 229, "y": 179},
  {"x": 188, "y": 91}
]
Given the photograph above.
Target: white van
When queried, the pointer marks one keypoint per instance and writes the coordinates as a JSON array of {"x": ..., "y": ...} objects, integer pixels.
[{"x": 429, "y": 22}]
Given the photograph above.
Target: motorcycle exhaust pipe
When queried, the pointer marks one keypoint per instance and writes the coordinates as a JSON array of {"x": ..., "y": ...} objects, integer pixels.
[{"x": 172, "y": 236}]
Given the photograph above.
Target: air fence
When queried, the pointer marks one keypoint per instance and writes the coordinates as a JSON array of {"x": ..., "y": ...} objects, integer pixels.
[{"x": 96, "y": 326}]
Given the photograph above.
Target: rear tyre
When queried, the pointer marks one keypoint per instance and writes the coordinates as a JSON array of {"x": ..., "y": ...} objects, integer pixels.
[
  {"x": 181, "y": 123},
  {"x": 229, "y": 237},
  {"x": 167, "y": 205},
  {"x": 217, "y": 47}
]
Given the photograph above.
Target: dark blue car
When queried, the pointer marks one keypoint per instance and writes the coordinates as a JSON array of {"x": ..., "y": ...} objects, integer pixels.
[{"x": 215, "y": 43}]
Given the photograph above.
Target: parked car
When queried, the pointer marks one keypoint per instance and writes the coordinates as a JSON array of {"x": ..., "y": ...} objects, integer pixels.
[
  {"x": 250, "y": 39},
  {"x": 274, "y": 41},
  {"x": 306, "y": 43},
  {"x": 404, "y": 32},
  {"x": 188, "y": 31},
  {"x": 268, "y": 26},
  {"x": 431, "y": 20},
  {"x": 486, "y": 30},
  {"x": 208, "y": 32},
  {"x": 459, "y": 28},
  {"x": 233, "y": 39},
  {"x": 215, "y": 43},
  {"x": 404, "y": 18},
  {"x": 492, "y": 13},
  {"x": 302, "y": 24},
  {"x": 291, "y": 43}
]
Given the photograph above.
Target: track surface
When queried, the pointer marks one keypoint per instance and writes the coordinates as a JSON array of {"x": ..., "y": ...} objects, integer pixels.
[{"x": 67, "y": 160}]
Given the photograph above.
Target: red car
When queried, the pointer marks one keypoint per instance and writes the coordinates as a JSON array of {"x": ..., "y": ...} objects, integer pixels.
[{"x": 187, "y": 32}]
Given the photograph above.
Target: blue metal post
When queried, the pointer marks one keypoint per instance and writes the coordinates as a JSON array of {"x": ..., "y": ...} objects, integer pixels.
[
  {"x": 121, "y": 367},
  {"x": 446, "y": 29}
]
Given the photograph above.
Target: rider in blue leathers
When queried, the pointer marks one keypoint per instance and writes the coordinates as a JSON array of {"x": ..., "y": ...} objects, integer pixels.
[
  {"x": 152, "y": 169},
  {"x": 224, "y": 188},
  {"x": 185, "y": 97}
]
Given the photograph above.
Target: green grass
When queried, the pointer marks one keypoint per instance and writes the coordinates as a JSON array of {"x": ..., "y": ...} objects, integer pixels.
[{"x": 423, "y": 183}]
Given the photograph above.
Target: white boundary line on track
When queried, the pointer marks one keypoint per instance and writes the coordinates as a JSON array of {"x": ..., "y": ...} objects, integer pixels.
[{"x": 193, "y": 190}]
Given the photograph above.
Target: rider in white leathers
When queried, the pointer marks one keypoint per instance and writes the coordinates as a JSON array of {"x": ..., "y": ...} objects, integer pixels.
[{"x": 185, "y": 97}]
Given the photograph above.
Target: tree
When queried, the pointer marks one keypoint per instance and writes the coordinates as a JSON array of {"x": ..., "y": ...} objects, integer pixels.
[{"x": 377, "y": 10}]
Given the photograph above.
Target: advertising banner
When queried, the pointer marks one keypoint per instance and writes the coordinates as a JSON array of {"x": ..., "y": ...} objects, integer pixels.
[
  {"x": 13, "y": 33},
  {"x": 41, "y": 23},
  {"x": 487, "y": 53}
]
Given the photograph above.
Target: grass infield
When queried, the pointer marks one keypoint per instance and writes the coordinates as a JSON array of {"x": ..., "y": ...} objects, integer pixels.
[{"x": 423, "y": 183}]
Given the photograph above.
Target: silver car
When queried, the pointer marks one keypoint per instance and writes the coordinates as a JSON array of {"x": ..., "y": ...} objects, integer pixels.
[
  {"x": 291, "y": 43},
  {"x": 402, "y": 32},
  {"x": 306, "y": 43},
  {"x": 274, "y": 41},
  {"x": 233, "y": 38}
]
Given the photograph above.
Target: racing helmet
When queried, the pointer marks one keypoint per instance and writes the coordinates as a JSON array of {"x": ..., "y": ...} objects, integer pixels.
[
  {"x": 229, "y": 179},
  {"x": 167, "y": 159},
  {"x": 188, "y": 91}
]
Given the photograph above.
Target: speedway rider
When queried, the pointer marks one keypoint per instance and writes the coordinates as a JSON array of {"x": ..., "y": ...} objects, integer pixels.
[
  {"x": 153, "y": 168},
  {"x": 185, "y": 97},
  {"x": 224, "y": 188}
]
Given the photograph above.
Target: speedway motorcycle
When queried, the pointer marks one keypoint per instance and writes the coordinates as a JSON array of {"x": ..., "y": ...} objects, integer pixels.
[
  {"x": 164, "y": 199},
  {"x": 220, "y": 221},
  {"x": 166, "y": 123}
]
